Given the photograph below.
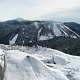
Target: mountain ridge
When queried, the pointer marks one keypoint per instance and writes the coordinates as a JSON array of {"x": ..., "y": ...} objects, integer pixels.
[
  {"x": 35, "y": 30},
  {"x": 52, "y": 34}
]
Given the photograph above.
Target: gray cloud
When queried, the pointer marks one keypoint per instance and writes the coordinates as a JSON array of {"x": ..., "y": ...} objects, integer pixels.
[
  {"x": 70, "y": 15},
  {"x": 61, "y": 10}
]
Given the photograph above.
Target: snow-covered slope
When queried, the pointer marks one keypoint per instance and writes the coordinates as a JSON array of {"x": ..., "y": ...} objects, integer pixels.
[
  {"x": 65, "y": 63},
  {"x": 55, "y": 29},
  {"x": 13, "y": 40},
  {"x": 22, "y": 66},
  {"x": 39, "y": 63}
]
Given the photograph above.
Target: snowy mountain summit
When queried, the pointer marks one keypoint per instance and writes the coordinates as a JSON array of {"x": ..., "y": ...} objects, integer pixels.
[
  {"x": 19, "y": 19},
  {"x": 38, "y": 63}
]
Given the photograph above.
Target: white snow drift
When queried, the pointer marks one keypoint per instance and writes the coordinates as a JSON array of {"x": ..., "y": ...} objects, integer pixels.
[
  {"x": 39, "y": 63},
  {"x": 22, "y": 66}
]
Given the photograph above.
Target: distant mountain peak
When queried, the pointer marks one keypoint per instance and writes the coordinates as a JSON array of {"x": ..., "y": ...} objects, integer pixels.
[{"x": 19, "y": 19}]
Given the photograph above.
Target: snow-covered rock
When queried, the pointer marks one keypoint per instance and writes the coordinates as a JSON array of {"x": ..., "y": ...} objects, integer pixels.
[{"x": 2, "y": 58}]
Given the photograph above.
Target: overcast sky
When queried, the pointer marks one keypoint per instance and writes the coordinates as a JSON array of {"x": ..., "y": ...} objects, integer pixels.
[{"x": 57, "y": 10}]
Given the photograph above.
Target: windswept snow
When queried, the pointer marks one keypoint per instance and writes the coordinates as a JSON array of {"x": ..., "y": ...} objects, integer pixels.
[
  {"x": 39, "y": 63},
  {"x": 13, "y": 40},
  {"x": 67, "y": 64},
  {"x": 23, "y": 66}
]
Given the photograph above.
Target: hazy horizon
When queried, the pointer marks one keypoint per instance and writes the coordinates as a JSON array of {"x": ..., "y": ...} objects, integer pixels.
[{"x": 57, "y": 10}]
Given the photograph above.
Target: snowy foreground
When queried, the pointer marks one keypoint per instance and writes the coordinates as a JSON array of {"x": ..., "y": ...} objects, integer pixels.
[{"x": 37, "y": 63}]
